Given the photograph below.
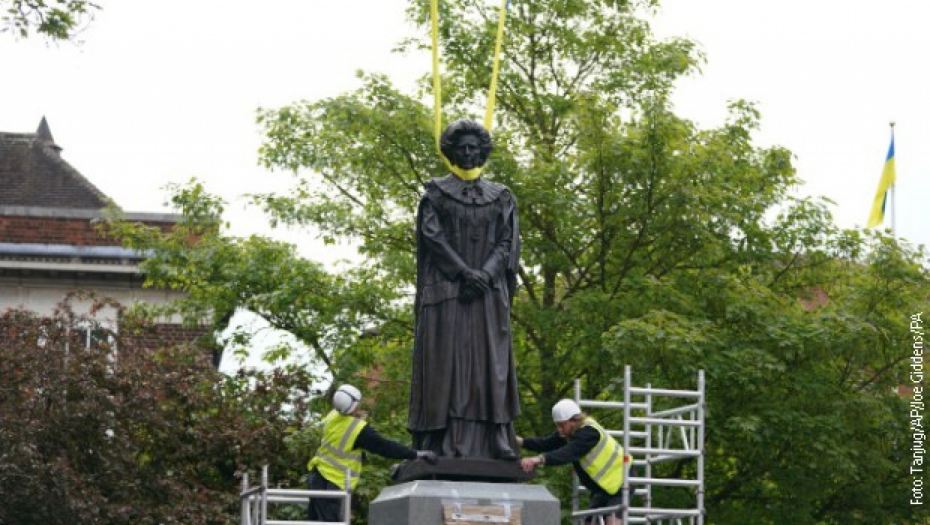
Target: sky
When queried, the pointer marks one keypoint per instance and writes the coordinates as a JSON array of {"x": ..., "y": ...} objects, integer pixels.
[
  {"x": 158, "y": 92},
  {"x": 828, "y": 77},
  {"x": 154, "y": 93}
]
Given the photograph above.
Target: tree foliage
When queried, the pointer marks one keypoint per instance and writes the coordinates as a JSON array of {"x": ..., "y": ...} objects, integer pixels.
[
  {"x": 221, "y": 275},
  {"x": 52, "y": 19},
  {"x": 118, "y": 434},
  {"x": 647, "y": 241}
]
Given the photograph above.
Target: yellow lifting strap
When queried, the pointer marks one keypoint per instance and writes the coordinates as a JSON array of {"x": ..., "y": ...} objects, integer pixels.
[{"x": 473, "y": 173}]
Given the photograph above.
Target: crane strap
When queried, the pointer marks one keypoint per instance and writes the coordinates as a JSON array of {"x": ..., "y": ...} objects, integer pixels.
[{"x": 473, "y": 173}]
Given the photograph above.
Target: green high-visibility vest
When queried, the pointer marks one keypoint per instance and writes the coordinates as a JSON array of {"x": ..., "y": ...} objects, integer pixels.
[
  {"x": 604, "y": 462},
  {"x": 336, "y": 456}
]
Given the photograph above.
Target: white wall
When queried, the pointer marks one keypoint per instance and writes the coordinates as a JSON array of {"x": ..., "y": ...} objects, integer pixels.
[{"x": 42, "y": 296}]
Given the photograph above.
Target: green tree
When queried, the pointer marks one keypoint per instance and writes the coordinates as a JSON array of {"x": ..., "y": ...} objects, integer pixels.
[
  {"x": 53, "y": 19},
  {"x": 647, "y": 241},
  {"x": 221, "y": 275}
]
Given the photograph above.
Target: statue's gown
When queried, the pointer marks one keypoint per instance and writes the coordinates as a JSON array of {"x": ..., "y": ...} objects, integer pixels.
[{"x": 463, "y": 396}]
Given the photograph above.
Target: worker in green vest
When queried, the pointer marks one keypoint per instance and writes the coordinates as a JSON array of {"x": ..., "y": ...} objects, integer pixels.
[
  {"x": 597, "y": 457},
  {"x": 337, "y": 464}
]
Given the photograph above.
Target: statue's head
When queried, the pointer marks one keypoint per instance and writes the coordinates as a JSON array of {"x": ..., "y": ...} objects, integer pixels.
[{"x": 466, "y": 144}]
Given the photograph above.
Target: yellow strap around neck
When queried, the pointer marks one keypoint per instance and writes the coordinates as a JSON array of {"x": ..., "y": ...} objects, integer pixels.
[{"x": 473, "y": 173}]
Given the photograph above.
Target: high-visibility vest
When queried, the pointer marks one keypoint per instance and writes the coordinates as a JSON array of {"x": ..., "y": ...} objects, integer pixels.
[
  {"x": 336, "y": 456},
  {"x": 604, "y": 462}
]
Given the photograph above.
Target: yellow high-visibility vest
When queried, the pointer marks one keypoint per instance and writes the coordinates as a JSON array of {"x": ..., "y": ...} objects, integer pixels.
[
  {"x": 604, "y": 462},
  {"x": 336, "y": 457}
]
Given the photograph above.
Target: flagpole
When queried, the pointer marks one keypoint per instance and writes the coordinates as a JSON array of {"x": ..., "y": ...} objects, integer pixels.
[
  {"x": 893, "y": 211},
  {"x": 894, "y": 207}
]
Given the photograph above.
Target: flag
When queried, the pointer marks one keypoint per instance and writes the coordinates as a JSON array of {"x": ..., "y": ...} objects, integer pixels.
[{"x": 879, "y": 204}]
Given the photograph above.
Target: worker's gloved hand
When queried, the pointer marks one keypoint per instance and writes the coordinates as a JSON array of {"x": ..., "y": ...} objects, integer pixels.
[{"x": 428, "y": 456}]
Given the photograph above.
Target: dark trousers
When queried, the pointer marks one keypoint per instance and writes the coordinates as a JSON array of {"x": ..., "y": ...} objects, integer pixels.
[
  {"x": 601, "y": 499},
  {"x": 323, "y": 509}
]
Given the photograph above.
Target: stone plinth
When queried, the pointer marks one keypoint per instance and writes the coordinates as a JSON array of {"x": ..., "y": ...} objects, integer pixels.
[{"x": 421, "y": 502}]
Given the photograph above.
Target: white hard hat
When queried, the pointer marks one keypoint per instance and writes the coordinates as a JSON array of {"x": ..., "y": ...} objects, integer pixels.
[
  {"x": 346, "y": 399},
  {"x": 565, "y": 410}
]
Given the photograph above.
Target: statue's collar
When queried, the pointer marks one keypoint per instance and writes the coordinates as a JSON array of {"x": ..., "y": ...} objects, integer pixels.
[{"x": 478, "y": 191}]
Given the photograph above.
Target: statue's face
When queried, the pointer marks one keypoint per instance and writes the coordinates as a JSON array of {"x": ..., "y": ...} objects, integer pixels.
[{"x": 466, "y": 153}]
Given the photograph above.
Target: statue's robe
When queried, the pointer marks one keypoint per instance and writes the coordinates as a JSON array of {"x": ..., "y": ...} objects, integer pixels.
[{"x": 463, "y": 396}]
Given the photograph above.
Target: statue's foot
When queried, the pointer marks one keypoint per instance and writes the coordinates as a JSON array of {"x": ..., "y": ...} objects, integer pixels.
[{"x": 507, "y": 455}]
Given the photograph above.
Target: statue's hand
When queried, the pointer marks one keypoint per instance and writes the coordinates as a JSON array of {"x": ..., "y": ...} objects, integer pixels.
[
  {"x": 467, "y": 292},
  {"x": 478, "y": 279},
  {"x": 484, "y": 280}
]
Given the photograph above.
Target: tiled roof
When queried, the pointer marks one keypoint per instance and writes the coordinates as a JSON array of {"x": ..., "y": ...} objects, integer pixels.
[{"x": 32, "y": 173}]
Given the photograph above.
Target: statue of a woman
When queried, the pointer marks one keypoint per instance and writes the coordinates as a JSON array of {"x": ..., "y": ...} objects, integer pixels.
[{"x": 463, "y": 397}]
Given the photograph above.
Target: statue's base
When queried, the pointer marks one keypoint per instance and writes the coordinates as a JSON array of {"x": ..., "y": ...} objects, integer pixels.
[
  {"x": 423, "y": 502},
  {"x": 462, "y": 469}
]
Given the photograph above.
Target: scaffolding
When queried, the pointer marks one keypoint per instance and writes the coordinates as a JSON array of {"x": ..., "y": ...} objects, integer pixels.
[
  {"x": 650, "y": 437},
  {"x": 254, "y": 502}
]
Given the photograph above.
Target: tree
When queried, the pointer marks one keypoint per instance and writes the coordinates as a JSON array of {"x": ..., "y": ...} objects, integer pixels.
[
  {"x": 56, "y": 20},
  {"x": 221, "y": 275},
  {"x": 647, "y": 241},
  {"x": 116, "y": 434}
]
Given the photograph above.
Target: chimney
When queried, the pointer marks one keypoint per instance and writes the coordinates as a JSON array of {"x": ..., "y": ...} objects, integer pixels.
[{"x": 44, "y": 134}]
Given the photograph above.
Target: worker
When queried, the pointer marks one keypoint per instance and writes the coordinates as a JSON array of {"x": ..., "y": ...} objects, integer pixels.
[
  {"x": 338, "y": 461},
  {"x": 597, "y": 457}
]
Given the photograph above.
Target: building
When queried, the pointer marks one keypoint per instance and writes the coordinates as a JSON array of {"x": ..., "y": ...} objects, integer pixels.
[{"x": 50, "y": 245}]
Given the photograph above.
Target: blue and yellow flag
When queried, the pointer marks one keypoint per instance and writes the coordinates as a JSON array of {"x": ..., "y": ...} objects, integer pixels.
[{"x": 879, "y": 204}]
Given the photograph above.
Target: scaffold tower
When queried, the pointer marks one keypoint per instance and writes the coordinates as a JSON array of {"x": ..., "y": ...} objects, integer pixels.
[
  {"x": 659, "y": 426},
  {"x": 254, "y": 502}
]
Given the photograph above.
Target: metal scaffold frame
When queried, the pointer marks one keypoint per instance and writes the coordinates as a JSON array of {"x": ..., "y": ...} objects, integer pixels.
[
  {"x": 255, "y": 500},
  {"x": 650, "y": 437}
]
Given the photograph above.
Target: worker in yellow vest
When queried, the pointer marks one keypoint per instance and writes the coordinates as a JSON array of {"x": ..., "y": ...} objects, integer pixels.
[
  {"x": 597, "y": 457},
  {"x": 337, "y": 464}
]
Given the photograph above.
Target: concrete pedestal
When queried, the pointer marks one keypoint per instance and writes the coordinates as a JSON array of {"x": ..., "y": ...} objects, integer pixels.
[{"x": 421, "y": 502}]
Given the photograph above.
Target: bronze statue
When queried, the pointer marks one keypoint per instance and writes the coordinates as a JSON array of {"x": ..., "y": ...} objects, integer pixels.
[{"x": 463, "y": 397}]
